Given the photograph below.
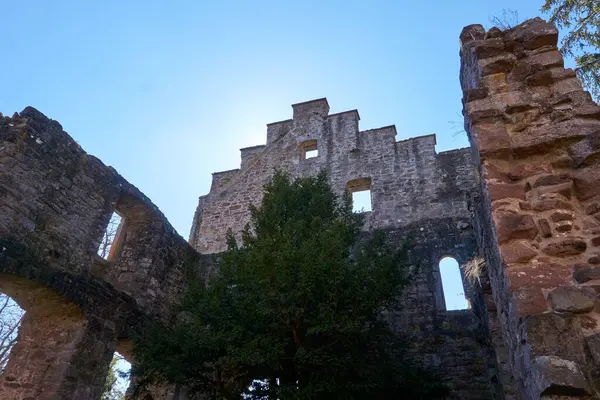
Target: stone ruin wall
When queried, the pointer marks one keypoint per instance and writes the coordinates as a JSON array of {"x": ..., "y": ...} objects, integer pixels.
[
  {"x": 526, "y": 199},
  {"x": 414, "y": 191},
  {"x": 536, "y": 135},
  {"x": 55, "y": 203},
  {"x": 409, "y": 181}
]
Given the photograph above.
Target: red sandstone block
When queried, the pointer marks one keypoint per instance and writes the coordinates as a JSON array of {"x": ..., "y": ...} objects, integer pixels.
[
  {"x": 499, "y": 191},
  {"x": 528, "y": 282},
  {"x": 587, "y": 182},
  {"x": 565, "y": 247},
  {"x": 517, "y": 252},
  {"x": 514, "y": 226},
  {"x": 490, "y": 138},
  {"x": 531, "y": 169}
]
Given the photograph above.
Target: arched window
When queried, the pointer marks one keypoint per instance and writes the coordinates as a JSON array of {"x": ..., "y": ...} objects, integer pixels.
[
  {"x": 117, "y": 379},
  {"x": 452, "y": 285},
  {"x": 110, "y": 239}
]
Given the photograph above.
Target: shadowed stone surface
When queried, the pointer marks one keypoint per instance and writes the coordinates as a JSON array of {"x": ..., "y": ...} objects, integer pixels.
[
  {"x": 414, "y": 191},
  {"x": 524, "y": 202},
  {"x": 532, "y": 125},
  {"x": 55, "y": 203}
]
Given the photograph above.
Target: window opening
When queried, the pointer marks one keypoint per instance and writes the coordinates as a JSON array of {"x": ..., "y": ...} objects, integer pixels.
[
  {"x": 11, "y": 316},
  {"x": 309, "y": 150},
  {"x": 117, "y": 379},
  {"x": 452, "y": 285},
  {"x": 361, "y": 194},
  {"x": 109, "y": 242}
]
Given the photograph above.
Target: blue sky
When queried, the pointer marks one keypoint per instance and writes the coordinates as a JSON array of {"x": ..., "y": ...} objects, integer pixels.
[{"x": 167, "y": 92}]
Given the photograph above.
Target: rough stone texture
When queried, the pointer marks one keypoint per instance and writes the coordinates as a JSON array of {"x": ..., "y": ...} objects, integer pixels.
[
  {"x": 409, "y": 181},
  {"x": 572, "y": 299},
  {"x": 414, "y": 191},
  {"x": 532, "y": 125},
  {"x": 55, "y": 203},
  {"x": 556, "y": 376},
  {"x": 531, "y": 210}
]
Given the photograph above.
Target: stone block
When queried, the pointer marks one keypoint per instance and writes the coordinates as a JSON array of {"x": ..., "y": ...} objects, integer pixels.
[
  {"x": 502, "y": 63},
  {"x": 494, "y": 174},
  {"x": 557, "y": 334},
  {"x": 572, "y": 299},
  {"x": 586, "y": 182},
  {"x": 564, "y": 226},
  {"x": 529, "y": 282},
  {"x": 593, "y": 343},
  {"x": 586, "y": 150},
  {"x": 553, "y": 375},
  {"x": 547, "y": 59},
  {"x": 548, "y": 76},
  {"x": 490, "y": 138},
  {"x": 558, "y": 216},
  {"x": 551, "y": 179},
  {"x": 563, "y": 189},
  {"x": 545, "y": 228},
  {"x": 474, "y": 94},
  {"x": 565, "y": 247},
  {"x": 534, "y": 33},
  {"x": 530, "y": 169},
  {"x": 514, "y": 226},
  {"x": 488, "y": 47},
  {"x": 551, "y": 201},
  {"x": 471, "y": 32},
  {"x": 499, "y": 191},
  {"x": 585, "y": 272},
  {"x": 517, "y": 252}
]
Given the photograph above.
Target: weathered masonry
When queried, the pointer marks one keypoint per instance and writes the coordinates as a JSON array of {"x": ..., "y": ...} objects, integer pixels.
[
  {"x": 523, "y": 203},
  {"x": 408, "y": 181},
  {"x": 413, "y": 189},
  {"x": 55, "y": 202},
  {"x": 536, "y": 136}
]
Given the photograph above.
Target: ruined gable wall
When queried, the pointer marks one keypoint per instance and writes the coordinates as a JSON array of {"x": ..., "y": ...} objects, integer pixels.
[
  {"x": 409, "y": 181},
  {"x": 535, "y": 132},
  {"x": 414, "y": 191}
]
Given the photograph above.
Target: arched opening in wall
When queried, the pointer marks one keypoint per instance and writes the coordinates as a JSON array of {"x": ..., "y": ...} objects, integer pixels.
[
  {"x": 452, "y": 285},
  {"x": 11, "y": 316},
  {"x": 111, "y": 237},
  {"x": 50, "y": 330},
  {"x": 118, "y": 377},
  {"x": 361, "y": 194},
  {"x": 308, "y": 149}
]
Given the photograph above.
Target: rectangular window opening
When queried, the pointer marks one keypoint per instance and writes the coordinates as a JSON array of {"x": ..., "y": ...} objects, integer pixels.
[
  {"x": 361, "y": 195},
  {"x": 110, "y": 238},
  {"x": 308, "y": 150},
  {"x": 311, "y": 154},
  {"x": 361, "y": 201}
]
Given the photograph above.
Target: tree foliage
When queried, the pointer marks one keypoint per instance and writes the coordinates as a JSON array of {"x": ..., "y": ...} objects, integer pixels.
[
  {"x": 295, "y": 311},
  {"x": 581, "y": 18}
]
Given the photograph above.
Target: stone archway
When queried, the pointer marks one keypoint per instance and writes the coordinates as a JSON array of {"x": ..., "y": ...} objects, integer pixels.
[{"x": 60, "y": 353}]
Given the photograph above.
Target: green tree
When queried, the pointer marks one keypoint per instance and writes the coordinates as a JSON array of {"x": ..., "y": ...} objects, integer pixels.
[
  {"x": 581, "y": 18},
  {"x": 111, "y": 390},
  {"x": 296, "y": 312}
]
